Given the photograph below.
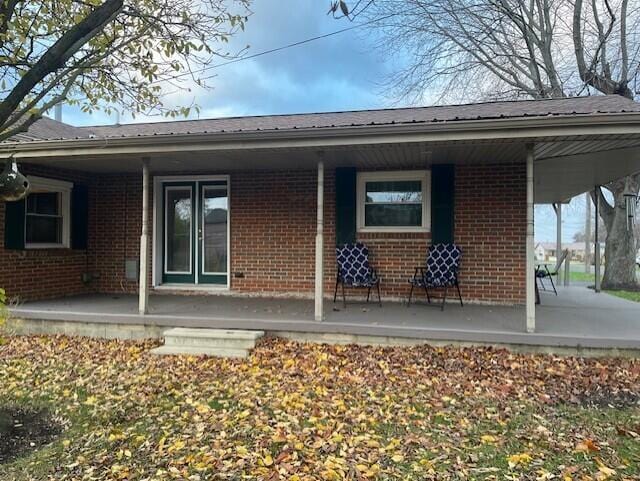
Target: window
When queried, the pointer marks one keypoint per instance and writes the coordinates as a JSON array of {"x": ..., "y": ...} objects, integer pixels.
[
  {"x": 47, "y": 213},
  {"x": 393, "y": 201}
]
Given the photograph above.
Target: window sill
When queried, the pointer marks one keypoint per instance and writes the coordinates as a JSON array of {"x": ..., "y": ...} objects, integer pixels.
[
  {"x": 45, "y": 246},
  {"x": 392, "y": 230}
]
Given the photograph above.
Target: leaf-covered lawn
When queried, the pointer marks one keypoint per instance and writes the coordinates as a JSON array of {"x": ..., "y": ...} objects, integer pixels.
[{"x": 303, "y": 412}]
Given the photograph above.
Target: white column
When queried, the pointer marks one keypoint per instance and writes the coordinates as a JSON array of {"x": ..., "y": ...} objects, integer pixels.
[
  {"x": 596, "y": 254},
  {"x": 558, "y": 239},
  {"x": 319, "y": 282},
  {"x": 143, "y": 288},
  {"x": 530, "y": 270}
]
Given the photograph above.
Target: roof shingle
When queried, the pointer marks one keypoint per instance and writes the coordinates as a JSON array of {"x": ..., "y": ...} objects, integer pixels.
[{"x": 47, "y": 129}]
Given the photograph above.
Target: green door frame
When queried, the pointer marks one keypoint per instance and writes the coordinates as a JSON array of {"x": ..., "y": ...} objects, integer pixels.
[
  {"x": 196, "y": 276},
  {"x": 178, "y": 278},
  {"x": 213, "y": 278}
]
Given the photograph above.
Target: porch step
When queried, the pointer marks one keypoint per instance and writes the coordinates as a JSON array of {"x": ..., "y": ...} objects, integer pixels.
[{"x": 208, "y": 342}]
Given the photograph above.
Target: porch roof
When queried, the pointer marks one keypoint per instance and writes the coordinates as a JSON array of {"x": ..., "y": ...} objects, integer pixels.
[
  {"x": 47, "y": 129},
  {"x": 579, "y": 142}
]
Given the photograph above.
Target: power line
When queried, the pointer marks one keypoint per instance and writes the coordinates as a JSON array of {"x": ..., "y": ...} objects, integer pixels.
[{"x": 279, "y": 49}]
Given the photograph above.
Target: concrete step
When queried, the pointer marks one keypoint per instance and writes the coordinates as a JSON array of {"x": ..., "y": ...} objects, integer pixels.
[
  {"x": 200, "y": 351},
  {"x": 209, "y": 342},
  {"x": 213, "y": 333}
]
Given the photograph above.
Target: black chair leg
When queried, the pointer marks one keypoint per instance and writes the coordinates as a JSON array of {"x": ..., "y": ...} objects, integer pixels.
[
  {"x": 368, "y": 294},
  {"x": 550, "y": 276},
  {"x": 444, "y": 298},
  {"x": 344, "y": 297},
  {"x": 410, "y": 294},
  {"x": 459, "y": 294},
  {"x": 379, "y": 298},
  {"x": 426, "y": 291},
  {"x": 335, "y": 293}
]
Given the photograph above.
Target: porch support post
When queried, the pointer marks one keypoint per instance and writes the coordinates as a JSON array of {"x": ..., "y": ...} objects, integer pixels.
[
  {"x": 143, "y": 292},
  {"x": 596, "y": 242},
  {"x": 319, "y": 281},
  {"x": 558, "y": 239},
  {"x": 530, "y": 270}
]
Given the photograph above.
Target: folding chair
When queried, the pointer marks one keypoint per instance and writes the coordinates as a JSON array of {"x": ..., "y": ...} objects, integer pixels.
[
  {"x": 543, "y": 272},
  {"x": 354, "y": 270},
  {"x": 441, "y": 271}
]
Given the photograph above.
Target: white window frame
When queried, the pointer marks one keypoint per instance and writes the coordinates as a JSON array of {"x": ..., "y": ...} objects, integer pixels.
[
  {"x": 64, "y": 188},
  {"x": 424, "y": 176}
]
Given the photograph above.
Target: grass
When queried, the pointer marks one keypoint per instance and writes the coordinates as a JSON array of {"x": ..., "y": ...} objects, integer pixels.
[
  {"x": 308, "y": 412},
  {"x": 628, "y": 295}
]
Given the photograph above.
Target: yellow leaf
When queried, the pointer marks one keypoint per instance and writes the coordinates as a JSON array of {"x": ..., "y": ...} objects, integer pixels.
[
  {"x": 90, "y": 401},
  {"x": 488, "y": 439},
  {"x": 267, "y": 460},
  {"x": 397, "y": 458},
  {"x": 519, "y": 459}
]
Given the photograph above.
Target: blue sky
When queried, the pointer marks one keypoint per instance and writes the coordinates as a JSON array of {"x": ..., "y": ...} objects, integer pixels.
[{"x": 341, "y": 72}]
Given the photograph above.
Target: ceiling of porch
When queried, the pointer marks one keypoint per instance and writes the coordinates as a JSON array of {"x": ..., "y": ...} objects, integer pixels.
[{"x": 564, "y": 166}]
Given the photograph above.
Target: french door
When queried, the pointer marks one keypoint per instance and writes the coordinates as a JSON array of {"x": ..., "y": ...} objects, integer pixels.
[{"x": 195, "y": 232}]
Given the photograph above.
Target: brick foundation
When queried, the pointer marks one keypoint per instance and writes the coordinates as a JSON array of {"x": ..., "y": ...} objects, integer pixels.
[{"x": 273, "y": 223}]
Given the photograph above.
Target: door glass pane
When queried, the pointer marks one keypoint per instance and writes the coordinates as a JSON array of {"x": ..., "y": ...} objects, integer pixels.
[
  {"x": 178, "y": 228},
  {"x": 214, "y": 222}
]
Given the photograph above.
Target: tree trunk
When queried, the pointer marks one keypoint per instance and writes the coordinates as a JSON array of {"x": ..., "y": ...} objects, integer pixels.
[{"x": 620, "y": 246}]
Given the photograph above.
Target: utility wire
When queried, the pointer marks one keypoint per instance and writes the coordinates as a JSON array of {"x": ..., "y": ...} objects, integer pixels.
[{"x": 279, "y": 49}]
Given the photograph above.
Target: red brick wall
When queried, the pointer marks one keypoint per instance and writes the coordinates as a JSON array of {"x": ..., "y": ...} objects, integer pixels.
[
  {"x": 273, "y": 228},
  {"x": 395, "y": 256},
  {"x": 43, "y": 273},
  {"x": 118, "y": 210},
  {"x": 273, "y": 224},
  {"x": 490, "y": 223}
]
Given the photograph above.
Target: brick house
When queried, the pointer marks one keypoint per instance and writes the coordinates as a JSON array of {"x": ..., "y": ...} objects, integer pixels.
[{"x": 256, "y": 205}]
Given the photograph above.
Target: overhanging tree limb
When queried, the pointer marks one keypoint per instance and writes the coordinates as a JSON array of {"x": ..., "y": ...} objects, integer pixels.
[{"x": 56, "y": 56}]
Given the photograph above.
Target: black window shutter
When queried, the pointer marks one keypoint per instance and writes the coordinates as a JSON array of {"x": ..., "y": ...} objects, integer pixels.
[
  {"x": 442, "y": 203},
  {"x": 79, "y": 217},
  {"x": 345, "y": 205},
  {"x": 14, "y": 218}
]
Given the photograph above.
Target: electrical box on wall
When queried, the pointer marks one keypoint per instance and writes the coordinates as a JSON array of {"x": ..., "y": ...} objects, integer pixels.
[{"x": 131, "y": 269}]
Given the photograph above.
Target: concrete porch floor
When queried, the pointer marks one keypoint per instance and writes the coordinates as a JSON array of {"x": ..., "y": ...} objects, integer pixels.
[{"x": 576, "y": 318}]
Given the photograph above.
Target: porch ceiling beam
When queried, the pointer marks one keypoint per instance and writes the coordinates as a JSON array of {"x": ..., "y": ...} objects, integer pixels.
[{"x": 500, "y": 129}]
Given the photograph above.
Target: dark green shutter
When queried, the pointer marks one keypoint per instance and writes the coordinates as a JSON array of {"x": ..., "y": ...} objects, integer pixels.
[
  {"x": 14, "y": 217},
  {"x": 442, "y": 203},
  {"x": 345, "y": 205},
  {"x": 79, "y": 217}
]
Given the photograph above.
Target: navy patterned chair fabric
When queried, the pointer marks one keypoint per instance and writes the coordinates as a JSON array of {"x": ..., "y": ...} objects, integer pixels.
[
  {"x": 354, "y": 269},
  {"x": 441, "y": 271}
]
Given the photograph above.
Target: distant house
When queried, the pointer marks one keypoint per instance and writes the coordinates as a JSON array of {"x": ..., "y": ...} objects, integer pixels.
[{"x": 546, "y": 251}]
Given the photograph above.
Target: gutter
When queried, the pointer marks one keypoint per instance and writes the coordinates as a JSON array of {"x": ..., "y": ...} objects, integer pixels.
[{"x": 445, "y": 131}]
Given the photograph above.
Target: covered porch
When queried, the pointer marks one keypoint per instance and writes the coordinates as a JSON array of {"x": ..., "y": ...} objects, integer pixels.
[
  {"x": 284, "y": 191},
  {"x": 574, "y": 319}
]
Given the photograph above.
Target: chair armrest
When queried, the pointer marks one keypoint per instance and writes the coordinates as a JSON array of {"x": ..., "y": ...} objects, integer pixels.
[{"x": 418, "y": 272}]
